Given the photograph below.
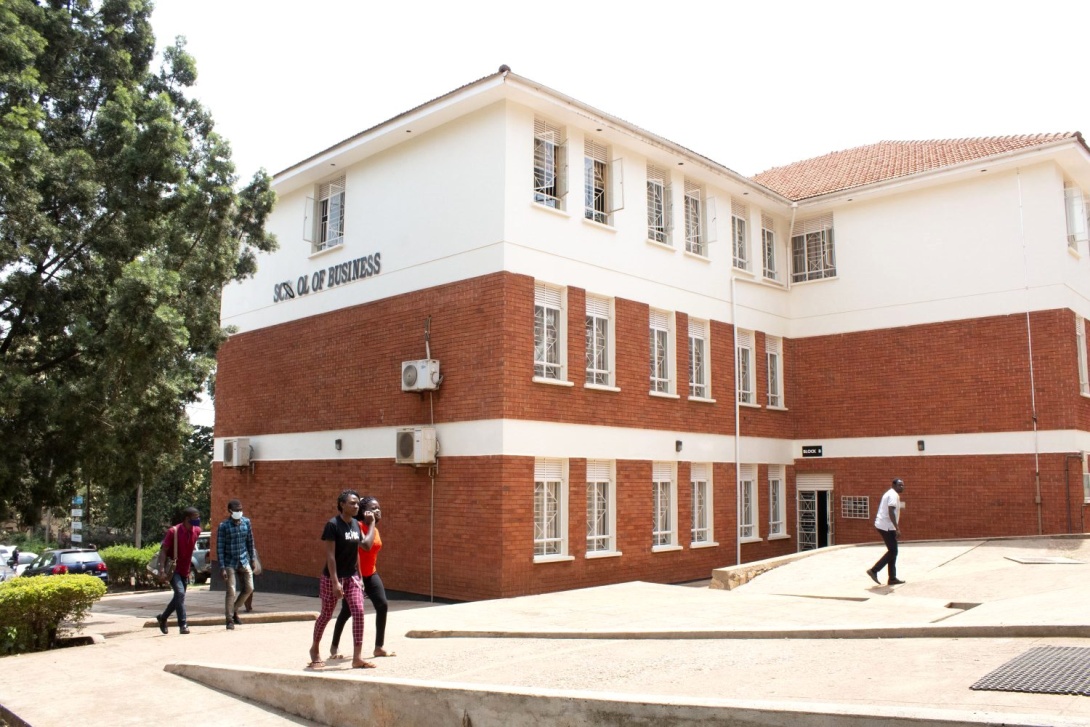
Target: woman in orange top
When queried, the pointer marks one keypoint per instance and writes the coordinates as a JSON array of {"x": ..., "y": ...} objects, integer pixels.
[{"x": 369, "y": 516}]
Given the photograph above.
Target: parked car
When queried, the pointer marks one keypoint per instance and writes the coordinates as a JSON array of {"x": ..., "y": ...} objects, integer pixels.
[
  {"x": 25, "y": 559},
  {"x": 200, "y": 569},
  {"x": 70, "y": 560}
]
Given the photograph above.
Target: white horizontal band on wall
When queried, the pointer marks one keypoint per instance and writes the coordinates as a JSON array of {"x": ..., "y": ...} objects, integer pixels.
[{"x": 547, "y": 439}]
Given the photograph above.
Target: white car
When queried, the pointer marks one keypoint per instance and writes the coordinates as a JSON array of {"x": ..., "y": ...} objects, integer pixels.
[{"x": 25, "y": 559}]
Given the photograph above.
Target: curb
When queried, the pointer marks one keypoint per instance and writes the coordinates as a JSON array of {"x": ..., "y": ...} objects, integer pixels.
[{"x": 250, "y": 618}]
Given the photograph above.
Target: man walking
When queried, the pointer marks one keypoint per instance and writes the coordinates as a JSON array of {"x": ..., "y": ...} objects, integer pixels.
[
  {"x": 889, "y": 515},
  {"x": 235, "y": 553}
]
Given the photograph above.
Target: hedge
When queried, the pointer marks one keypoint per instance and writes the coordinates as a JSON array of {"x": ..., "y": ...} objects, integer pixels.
[
  {"x": 125, "y": 562},
  {"x": 32, "y": 609}
]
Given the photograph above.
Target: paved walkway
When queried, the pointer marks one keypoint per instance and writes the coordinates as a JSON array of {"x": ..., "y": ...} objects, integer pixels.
[{"x": 812, "y": 637}]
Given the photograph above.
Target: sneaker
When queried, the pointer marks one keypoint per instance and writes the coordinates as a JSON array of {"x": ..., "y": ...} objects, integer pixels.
[
  {"x": 162, "y": 623},
  {"x": 183, "y": 629},
  {"x": 230, "y": 625},
  {"x": 236, "y": 619},
  {"x": 873, "y": 576},
  {"x": 895, "y": 582}
]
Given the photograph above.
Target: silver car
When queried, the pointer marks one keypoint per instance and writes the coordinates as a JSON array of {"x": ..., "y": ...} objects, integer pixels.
[{"x": 200, "y": 569}]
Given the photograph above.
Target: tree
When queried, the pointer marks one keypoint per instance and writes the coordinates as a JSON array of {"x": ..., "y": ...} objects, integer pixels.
[{"x": 120, "y": 224}]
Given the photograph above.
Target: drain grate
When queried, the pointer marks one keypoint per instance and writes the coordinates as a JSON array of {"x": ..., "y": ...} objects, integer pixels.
[{"x": 1043, "y": 670}]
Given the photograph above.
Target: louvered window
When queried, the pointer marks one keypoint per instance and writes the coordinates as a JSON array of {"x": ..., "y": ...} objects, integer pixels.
[
  {"x": 1080, "y": 344},
  {"x": 665, "y": 505},
  {"x": 738, "y": 216},
  {"x": 600, "y": 518},
  {"x": 777, "y": 502},
  {"x": 700, "y": 479},
  {"x": 550, "y": 164},
  {"x": 744, "y": 356},
  {"x": 698, "y": 358},
  {"x": 747, "y": 491},
  {"x": 774, "y": 353},
  {"x": 323, "y": 224},
  {"x": 549, "y": 499},
  {"x": 1077, "y": 213},
  {"x": 658, "y": 205},
  {"x": 548, "y": 330},
  {"x": 694, "y": 218},
  {"x": 603, "y": 180},
  {"x": 768, "y": 247},
  {"x": 813, "y": 255},
  {"x": 599, "y": 348},
  {"x": 660, "y": 351}
]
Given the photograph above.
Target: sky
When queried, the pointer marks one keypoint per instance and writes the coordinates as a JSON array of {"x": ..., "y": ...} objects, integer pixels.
[{"x": 751, "y": 85}]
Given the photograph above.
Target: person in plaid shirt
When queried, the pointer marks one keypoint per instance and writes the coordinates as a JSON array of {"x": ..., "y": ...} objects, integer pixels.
[{"x": 235, "y": 553}]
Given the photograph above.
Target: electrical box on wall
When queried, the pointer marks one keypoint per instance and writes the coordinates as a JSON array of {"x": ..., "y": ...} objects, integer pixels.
[
  {"x": 236, "y": 452},
  {"x": 416, "y": 445},
  {"x": 422, "y": 375}
]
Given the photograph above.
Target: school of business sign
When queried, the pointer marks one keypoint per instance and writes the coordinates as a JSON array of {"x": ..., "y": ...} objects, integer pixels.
[{"x": 362, "y": 267}]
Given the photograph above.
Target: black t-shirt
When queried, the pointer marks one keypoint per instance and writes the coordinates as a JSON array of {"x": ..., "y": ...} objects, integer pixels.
[{"x": 346, "y": 542}]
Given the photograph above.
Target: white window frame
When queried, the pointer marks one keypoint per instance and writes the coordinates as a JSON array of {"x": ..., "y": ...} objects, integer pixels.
[
  {"x": 659, "y": 205},
  {"x": 774, "y": 362},
  {"x": 699, "y": 360},
  {"x": 601, "y": 516},
  {"x": 738, "y": 235},
  {"x": 746, "y": 378},
  {"x": 1077, "y": 209},
  {"x": 603, "y": 183},
  {"x": 748, "y": 530},
  {"x": 323, "y": 223},
  {"x": 661, "y": 347},
  {"x": 702, "y": 523},
  {"x": 768, "y": 248},
  {"x": 600, "y": 335},
  {"x": 550, "y": 164},
  {"x": 813, "y": 250},
  {"x": 550, "y": 510},
  {"x": 777, "y": 502},
  {"x": 700, "y": 219},
  {"x": 1080, "y": 344},
  {"x": 550, "y": 357},
  {"x": 664, "y": 507}
]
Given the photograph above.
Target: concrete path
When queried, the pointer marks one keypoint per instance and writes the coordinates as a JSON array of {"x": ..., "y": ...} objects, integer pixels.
[{"x": 812, "y": 641}]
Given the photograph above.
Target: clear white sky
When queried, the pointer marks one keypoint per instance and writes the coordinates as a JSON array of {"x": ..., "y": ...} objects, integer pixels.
[{"x": 751, "y": 85}]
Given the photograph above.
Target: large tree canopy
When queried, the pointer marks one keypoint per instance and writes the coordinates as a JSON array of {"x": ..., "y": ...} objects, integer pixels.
[{"x": 120, "y": 224}]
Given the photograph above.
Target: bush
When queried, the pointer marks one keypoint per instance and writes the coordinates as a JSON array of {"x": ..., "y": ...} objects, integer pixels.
[
  {"x": 125, "y": 562},
  {"x": 32, "y": 609}
]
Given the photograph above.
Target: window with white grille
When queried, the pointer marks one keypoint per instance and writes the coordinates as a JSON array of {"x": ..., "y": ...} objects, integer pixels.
[
  {"x": 774, "y": 354},
  {"x": 777, "y": 501},
  {"x": 658, "y": 204},
  {"x": 601, "y": 494},
  {"x": 550, "y": 164},
  {"x": 661, "y": 379},
  {"x": 1080, "y": 345},
  {"x": 700, "y": 476},
  {"x": 603, "y": 183},
  {"x": 747, "y": 493},
  {"x": 744, "y": 363},
  {"x": 739, "y": 213},
  {"x": 855, "y": 507},
  {"x": 548, "y": 332},
  {"x": 813, "y": 254},
  {"x": 323, "y": 224},
  {"x": 768, "y": 247},
  {"x": 665, "y": 505},
  {"x": 1078, "y": 211},
  {"x": 599, "y": 341},
  {"x": 700, "y": 220},
  {"x": 550, "y": 508},
  {"x": 698, "y": 359}
]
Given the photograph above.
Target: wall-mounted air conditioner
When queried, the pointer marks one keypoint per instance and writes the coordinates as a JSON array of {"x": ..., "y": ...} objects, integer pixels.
[
  {"x": 236, "y": 452},
  {"x": 422, "y": 375},
  {"x": 416, "y": 445}
]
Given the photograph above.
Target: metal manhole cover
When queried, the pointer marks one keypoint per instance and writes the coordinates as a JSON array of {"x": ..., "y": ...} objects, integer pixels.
[{"x": 1043, "y": 670}]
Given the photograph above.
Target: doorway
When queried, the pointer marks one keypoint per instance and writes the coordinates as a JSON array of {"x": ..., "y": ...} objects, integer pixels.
[{"x": 815, "y": 509}]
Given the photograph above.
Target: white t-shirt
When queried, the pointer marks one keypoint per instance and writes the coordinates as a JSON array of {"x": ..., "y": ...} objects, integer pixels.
[{"x": 890, "y": 499}]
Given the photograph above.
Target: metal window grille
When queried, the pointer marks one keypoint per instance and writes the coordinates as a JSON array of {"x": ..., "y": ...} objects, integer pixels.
[
  {"x": 548, "y": 515},
  {"x": 813, "y": 253},
  {"x": 701, "y": 503},
  {"x": 595, "y": 179},
  {"x": 1080, "y": 345},
  {"x": 855, "y": 507},
  {"x": 660, "y": 359},
  {"x": 549, "y": 170},
  {"x": 658, "y": 205},
  {"x": 330, "y": 214},
  {"x": 747, "y": 525},
  {"x": 547, "y": 321},
  {"x": 694, "y": 218},
  {"x": 768, "y": 247},
  {"x": 774, "y": 351},
  {"x": 776, "y": 500},
  {"x": 599, "y": 537},
  {"x": 739, "y": 215},
  {"x": 663, "y": 479},
  {"x": 1078, "y": 211},
  {"x": 745, "y": 368},
  {"x": 698, "y": 356},
  {"x": 597, "y": 322}
]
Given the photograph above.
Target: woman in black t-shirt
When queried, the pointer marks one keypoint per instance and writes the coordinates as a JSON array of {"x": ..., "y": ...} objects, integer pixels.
[{"x": 341, "y": 578}]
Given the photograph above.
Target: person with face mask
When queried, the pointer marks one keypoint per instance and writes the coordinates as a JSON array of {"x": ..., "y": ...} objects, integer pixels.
[
  {"x": 235, "y": 554},
  {"x": 179, "y": 541}
]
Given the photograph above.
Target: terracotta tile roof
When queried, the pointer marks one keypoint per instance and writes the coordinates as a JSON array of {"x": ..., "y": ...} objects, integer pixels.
[{"x": 889, "y": 160}]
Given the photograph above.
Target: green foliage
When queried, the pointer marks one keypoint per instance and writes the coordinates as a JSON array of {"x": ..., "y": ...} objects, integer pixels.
[
  {"x": 125, "y": 562},
  {"x": 120, "y": 224},
  {"x": 32, "y": 609}
]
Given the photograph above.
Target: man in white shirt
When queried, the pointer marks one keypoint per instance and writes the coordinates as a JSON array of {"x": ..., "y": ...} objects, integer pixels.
[{"x": 889, "y": 515}]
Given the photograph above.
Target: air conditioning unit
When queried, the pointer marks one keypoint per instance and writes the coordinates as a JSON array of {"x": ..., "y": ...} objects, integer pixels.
[
  {"x": 422, "y": 375},
  {"x": 236, "y": 452},
  {"x": 416, "y": 445}
]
